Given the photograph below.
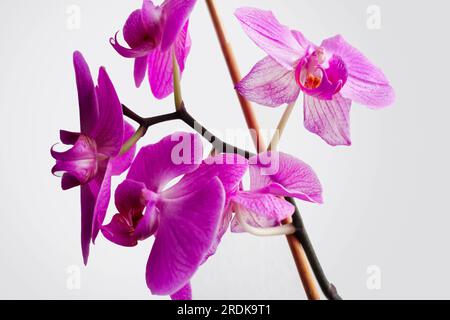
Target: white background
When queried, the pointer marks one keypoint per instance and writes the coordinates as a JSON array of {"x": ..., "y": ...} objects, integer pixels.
[{"x": 386, "y": 197}]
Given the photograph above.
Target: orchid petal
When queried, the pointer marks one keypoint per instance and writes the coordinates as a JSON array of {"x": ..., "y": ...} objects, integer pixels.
[
  {"x": 182, "y": 46},
  {"x": 102, "y": 201},
  {"x": 224, "y": 224},
  {"x": 134, "y": 31},
  {"x": 109, "y": 130},
  {"x": 329, "y": 119},
  {"x": 67, "y": 137},
  {"x": 86, "y": 94},
  {"x": 302, "y": 40},
  {"x": 149, "y": 223},
  {"x": 88, "y": 197},
  {"x": 229, "y": 168},
  {"x": 261, "y": 210},
  {"x": 151, "y": 18},
  {"x": 272, "y": 37},
  {"x": 187, "y": 229},
  {"x": 158, "y": 164},
  {"x": 366, "y": 83},
  {"x": 120, "y": 231},
  {"x": 137, "y": 52},
  {"x": 281, "y": 174},
  {"x": 269, "y": 84},
  {"x": 176, "y": 14},
  {"x": 160, "y": 65},
  {"x": 140, "y": 68},
  {"x": 129, "y": 197},
  {"x": 122, "y": 162},
  {"x": 184, "y": 294}
]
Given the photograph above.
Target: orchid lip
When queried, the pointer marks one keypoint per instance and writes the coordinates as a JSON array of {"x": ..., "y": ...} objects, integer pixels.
[
  {"x": 79, "y": 164},
  {"x": 321, "y": 76}
]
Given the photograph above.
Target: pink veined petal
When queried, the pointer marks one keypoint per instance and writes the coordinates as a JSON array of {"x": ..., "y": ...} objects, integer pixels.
[
  {"x": 302, "y": 40},
  {"x": 160, "y": 67},
  {"x": 140, "y": 68},
  {"x": 182, "y": 46},
  {"x": 272, "y": 37},
  {"x": 87, "y": 98},
  {"x": 366, "y": 83},
  {"x": 160, "y": 73},
  {"x": 121, "y": 163},
  {"x": 158, "y": 164},
  {"x": 102, "y": 201},
  {"x": 187, "y": 229},
  {"x": 269, "y": 84},
  {"x": 329, "y": 119},
  {"x": 261, "y": 210},
  {"x": 109, "y": 129},
  {"x": 120, "y": 231},
  {"x": 184, "y": 294},
  {"x": 281, "y": 174},
  {"x": 176, "y": 14},
  {"x": 229, "y": 168}
]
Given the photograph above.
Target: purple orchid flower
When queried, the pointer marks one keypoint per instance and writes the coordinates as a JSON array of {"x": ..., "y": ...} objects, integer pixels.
[
  {"x": 94, "y": 157},
  {"x": 331, "y": 76},
  {"x": 184, "y": 218},
  {"x": 154, "y": 34}
]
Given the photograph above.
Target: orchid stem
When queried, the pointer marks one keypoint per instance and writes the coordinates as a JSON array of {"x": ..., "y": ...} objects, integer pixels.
[
  {"x": 176, "y": 83},
  {"x": 133, "y": 140},
  {"x": 281, "y": 126}
]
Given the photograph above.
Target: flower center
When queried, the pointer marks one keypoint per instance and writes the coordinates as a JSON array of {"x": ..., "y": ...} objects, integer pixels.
[{"x": 319, "y": 75}]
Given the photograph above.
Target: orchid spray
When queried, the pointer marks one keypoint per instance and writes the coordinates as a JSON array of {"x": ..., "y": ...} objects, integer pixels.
[{"x": 174, "y": 192}]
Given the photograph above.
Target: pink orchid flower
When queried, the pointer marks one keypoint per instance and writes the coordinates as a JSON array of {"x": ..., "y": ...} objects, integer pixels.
[
  {"x": 94, "y": 157},
  {"x": 154, "y": 34},
  {"x": 272, "y": 174},
  {"x": 184, "y": 218},
  {"x": 261, "y": 206},
  {"x": 330, "y": 76}
]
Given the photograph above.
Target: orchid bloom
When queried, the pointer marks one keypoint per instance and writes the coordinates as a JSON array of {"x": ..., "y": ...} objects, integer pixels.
[
  {"x": 272, "y": 175},
  {"x": 184, "y": 217},
  {"x": 154, "y": 34},
  {"x": 261, "y": 206},
  {"x": 330, "y": 76},
  {"x": 94, "y": 157}
]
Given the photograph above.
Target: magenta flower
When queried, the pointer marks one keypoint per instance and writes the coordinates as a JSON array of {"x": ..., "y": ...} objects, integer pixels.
[
  {"x": 331, "y": 76},
  {"x": 154, "y": 33},
  {"x": 274, "y": 175},
  {"x": 184, "y": 218},
  {"x": 94, "y": 157}
]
